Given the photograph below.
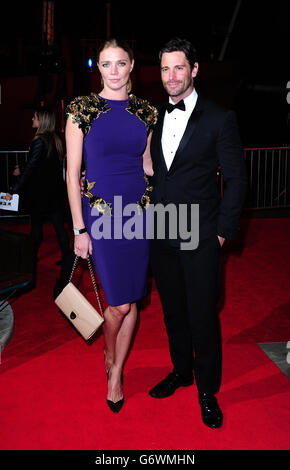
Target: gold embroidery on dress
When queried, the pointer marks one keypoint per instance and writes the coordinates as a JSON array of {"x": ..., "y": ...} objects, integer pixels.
[
  {"x": 106, "y": 207},
  {"x": 143, "y": 110},
  {"x": 83, "y": 110},
  {"x": 99, "y": 203},
  {"x": 145, "y": 199}
]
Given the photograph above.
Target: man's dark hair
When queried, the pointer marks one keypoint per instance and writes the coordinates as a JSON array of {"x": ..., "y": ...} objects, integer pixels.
[{"x": 177, "y": 44}]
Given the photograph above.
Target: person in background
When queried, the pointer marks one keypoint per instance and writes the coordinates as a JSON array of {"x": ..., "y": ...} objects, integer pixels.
[{"x": 41, "y": 184}]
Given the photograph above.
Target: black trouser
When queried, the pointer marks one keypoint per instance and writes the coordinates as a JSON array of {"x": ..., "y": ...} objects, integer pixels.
[
  {"x": 189, "y": 284},
  {"x": 57, "y": 218}
]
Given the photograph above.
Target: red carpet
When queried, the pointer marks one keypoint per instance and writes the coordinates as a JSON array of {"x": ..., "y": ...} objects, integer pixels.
[{"x": 53, "y": 385}]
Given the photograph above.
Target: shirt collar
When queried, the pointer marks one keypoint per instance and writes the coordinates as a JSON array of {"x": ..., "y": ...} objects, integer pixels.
[{"x": 189, "y": 101}]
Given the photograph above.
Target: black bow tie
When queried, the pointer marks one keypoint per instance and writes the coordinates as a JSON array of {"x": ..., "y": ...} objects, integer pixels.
[{"x": 180, "y": 105}]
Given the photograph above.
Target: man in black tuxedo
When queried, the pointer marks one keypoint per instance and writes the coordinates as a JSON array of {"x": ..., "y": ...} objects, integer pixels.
[{"x": 188, "y": 144}]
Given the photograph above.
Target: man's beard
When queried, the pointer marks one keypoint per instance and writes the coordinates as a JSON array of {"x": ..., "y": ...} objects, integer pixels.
[{"x": 180, "y": 90}]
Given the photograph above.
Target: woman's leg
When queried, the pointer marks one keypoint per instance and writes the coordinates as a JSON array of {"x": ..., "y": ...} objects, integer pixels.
[{"x": 119, "y": 328}]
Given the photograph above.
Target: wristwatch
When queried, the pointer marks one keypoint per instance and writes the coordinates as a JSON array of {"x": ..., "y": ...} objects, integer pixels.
[{"x": 79, "y": 231}]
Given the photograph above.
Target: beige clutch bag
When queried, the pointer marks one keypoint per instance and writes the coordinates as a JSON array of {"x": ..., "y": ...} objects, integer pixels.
[{"x": 83, "y": 316}]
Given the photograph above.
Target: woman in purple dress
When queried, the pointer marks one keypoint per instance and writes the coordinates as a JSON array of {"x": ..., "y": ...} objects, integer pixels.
[{"x": 111, "y": 131}]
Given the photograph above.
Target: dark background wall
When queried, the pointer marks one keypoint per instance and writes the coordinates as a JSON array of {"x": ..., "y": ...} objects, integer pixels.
[{"x": 251, "y": 78}]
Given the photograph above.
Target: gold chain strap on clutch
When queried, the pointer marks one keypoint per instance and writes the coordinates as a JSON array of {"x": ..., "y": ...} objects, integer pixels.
[{"x": 93, "y": 279}]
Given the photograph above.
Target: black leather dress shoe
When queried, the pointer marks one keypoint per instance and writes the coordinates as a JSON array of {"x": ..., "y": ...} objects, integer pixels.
[
  {"x": 167, "y": 387},
  {"x": 210, "y": 411}
]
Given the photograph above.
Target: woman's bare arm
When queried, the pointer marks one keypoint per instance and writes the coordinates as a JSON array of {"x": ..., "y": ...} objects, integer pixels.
[
  {"x": 147, "y": 161},
  {"x": 74, "y": 147}
]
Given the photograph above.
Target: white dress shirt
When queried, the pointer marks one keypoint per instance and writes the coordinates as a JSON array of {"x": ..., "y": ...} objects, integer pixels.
[{"x": 174, "y": 125}]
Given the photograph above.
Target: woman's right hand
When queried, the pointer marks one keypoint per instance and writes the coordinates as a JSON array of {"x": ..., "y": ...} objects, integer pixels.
[{"x": 83, "y": 245}]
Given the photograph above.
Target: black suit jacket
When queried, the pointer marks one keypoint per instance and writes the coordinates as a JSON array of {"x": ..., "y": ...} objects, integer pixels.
[{"x": 211, "y": 139}]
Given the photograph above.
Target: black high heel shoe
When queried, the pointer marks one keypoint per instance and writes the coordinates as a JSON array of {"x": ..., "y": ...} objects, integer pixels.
[{"x": 115, "y": 406}]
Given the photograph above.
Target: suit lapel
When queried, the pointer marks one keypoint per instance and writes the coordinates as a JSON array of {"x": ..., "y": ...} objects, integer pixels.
[
  {"x": 188, "y": 133},
  {"x": 158, "y": 135}
]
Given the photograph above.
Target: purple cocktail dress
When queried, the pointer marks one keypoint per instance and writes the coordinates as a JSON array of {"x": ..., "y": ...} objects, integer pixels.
[{"x": 115, "y": 137}]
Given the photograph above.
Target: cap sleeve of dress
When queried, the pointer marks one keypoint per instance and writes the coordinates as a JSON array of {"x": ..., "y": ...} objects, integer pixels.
[
  {"x": 144, "y": 111},
  {"x": 76, "y": 110}
]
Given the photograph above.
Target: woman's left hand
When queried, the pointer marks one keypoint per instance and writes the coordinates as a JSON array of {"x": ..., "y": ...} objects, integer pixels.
[{"x": 83, "y": 245}]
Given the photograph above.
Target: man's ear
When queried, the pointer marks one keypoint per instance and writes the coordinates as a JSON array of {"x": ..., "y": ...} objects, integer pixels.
[{"x": 195, "y": 70}]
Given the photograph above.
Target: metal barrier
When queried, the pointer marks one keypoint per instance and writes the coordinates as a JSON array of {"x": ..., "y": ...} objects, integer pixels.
[
  {"x": 8, "y": 160},
  {"x": 268, "y": 175}
]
